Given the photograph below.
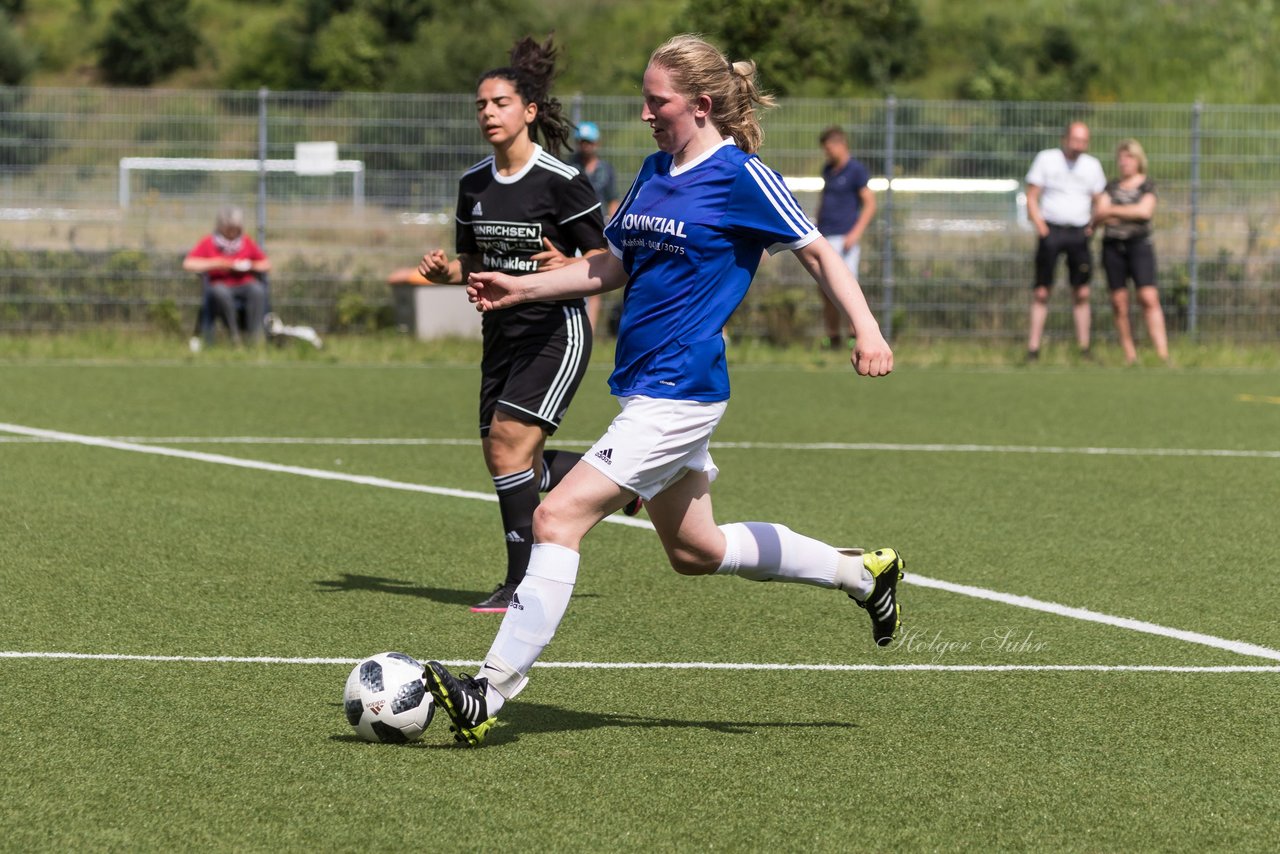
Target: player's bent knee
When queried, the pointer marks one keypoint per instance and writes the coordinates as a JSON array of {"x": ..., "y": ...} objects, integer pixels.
[
  {"x": 545, "y": 521},
  {"x": 691, "y": 562},
  {"x": 505, "y": 456},
  {"x": 555, "y": 522}
]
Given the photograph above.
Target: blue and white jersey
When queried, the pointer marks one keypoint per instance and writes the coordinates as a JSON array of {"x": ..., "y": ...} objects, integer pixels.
[{"x": 690, "y": 239}]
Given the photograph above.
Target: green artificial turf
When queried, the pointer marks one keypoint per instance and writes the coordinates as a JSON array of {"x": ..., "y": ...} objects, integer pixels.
[{"x": 978, "y": 479}]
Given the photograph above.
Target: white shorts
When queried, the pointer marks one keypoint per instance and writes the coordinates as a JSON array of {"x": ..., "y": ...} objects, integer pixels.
[
  {"x": 654, "y": 442},
  {"x": 851, "y": 255}
]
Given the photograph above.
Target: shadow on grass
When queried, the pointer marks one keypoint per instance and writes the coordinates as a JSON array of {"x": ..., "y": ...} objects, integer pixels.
[
  {"x": 349, "y": 583},
  {"x": 538, "y": 718},
  {"x": 541, "y": 718}
]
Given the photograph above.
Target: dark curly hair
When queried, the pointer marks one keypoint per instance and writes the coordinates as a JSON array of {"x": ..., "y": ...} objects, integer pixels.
[{"x": 532, "y": 69}]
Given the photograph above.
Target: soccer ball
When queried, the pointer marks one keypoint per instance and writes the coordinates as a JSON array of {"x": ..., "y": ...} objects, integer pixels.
[{"x": 385, "y": 699}]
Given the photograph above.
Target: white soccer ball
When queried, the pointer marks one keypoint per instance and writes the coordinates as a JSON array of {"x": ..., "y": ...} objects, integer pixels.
[{"x": 385, "y": 699}]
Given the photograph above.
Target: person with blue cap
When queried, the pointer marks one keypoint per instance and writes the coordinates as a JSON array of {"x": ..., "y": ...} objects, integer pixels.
[{"x": 602, "y": 177}]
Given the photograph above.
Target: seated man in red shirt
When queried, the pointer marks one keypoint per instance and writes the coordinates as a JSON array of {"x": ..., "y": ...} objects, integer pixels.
[{"x": 232, "y": 261}]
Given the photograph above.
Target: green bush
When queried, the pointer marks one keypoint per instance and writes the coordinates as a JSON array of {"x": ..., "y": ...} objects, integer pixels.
[
  {"x": 334, "y": 45},
  {"x": 1054, "y": 68},
  {"x": 856, "y": 43},
  {"x": 353, "y": 312},
  {"x": 167, "y": 318},
  {"x": 46, "y": 288},
  {"x": 348, "y": 54},
  {"x": 26, "y": 138},
  {"x": 147, "y": 40},
  {"x": 17, "y": 60}
]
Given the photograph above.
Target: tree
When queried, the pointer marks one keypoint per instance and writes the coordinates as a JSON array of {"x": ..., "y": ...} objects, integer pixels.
[
  {"x": 828, "y": 47},
  {"x": 147, "y": 40},
  {"x": 26, "y": 139},
  {"x": 1054, "y": 68},
  {"x": 399, "y": 19},
  {"x": 17, "y": 61},
  {"x": 890, "y": 47},
  {"x": 450, "y": 50},
  {"x": 334, "y": 45},
  {"x": 348, "y": 54}
]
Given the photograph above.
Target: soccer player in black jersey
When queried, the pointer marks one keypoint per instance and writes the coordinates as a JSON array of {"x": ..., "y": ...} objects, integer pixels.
[{"x": 522, "y": 210}]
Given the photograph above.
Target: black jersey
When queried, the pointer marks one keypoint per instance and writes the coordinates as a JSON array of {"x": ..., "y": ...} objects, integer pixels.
[{"x": 503, "y": 219}]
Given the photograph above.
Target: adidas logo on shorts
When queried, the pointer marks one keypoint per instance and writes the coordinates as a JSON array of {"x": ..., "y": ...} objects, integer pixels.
[
  {"x": 515, "y": 602},
  {"x": 606, "y": 455},
  {"x": 514, "y": 537}
]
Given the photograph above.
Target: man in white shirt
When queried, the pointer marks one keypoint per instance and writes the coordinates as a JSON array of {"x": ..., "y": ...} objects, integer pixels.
[{"x": 1063, "y": 185}]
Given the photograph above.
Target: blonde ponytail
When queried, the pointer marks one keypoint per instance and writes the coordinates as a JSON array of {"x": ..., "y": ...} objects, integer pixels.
[{"x": 698, "y": 68}]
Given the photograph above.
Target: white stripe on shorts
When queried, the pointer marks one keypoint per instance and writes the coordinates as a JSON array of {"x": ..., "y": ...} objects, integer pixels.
[{"x": 551, "y": 402}]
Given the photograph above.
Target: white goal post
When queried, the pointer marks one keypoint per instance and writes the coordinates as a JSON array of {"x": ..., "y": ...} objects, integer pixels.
[
  {"x": 961, "y": 186},
  {"x": 129, "y": 165},
  {"x": 918, "y": 185}
]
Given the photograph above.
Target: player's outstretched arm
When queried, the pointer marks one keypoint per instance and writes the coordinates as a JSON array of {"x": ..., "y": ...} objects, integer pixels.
[
  {"x": 872, "y": 356},
  {"x": 594, "y": 275}
]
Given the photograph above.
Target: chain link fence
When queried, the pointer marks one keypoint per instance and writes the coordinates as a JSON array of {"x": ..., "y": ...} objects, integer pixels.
[{"x": 103, "y": 191}]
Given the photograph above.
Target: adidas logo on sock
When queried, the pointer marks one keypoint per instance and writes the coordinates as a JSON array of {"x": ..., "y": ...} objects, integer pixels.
[
  {"x": 515, "y": 602},
  {"x": 606, "y": 455},
  {"x": 514, "y": 537},
  {"x": 476, "y": 210}
]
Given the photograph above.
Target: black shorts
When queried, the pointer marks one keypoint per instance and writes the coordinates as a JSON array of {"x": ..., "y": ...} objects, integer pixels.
[
  {"x": 1075, "y": 244},
  {"x": 533, "y": 363},
  {"x": 1134, "y": 259}
]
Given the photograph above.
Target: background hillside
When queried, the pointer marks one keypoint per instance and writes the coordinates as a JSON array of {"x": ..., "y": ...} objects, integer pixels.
[{"x": 1218, "y": 51}]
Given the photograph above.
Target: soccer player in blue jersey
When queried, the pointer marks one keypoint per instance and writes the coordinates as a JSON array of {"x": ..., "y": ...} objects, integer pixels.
[{"x": 685, "y": 243}]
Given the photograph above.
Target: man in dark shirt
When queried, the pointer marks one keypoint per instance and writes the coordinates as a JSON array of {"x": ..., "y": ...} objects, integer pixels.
[{"x": 845, "y": 209}]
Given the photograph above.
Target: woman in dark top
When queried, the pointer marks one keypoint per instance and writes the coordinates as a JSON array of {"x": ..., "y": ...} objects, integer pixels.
[
  {"x": 1126, "y": 209},
  {"x": 522, "y": 209}
]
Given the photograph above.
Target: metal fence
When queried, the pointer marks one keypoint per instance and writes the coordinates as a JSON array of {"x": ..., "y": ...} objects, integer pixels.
[{"x": 103, "y": 191}]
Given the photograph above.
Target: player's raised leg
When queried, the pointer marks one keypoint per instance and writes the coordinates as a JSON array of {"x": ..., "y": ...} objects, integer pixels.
[{"x": 766, "y": 551}]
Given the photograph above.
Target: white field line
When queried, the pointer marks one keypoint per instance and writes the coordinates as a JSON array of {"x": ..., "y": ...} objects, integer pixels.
[
  {"x": 679, "y": 665},
  {"x": 1095, "y": 617},
  {"x": 1246, "y": 453},
  {"x": 1238, "y": 647},
  {"x": 260, "y": 465}
]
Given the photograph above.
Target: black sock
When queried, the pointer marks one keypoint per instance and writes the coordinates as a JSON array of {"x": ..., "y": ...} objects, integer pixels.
[
  {"x": 555, "y": 465},
  {"x": 517, "y": 499}
]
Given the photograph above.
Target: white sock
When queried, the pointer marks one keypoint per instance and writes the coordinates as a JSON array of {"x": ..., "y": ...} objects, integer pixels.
[
  {"x": 493, "y": 700},
  {"x": 763, "y": 551},
  {"x": 535, "y": 611},
  {"x": 853, "y": 577}
]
